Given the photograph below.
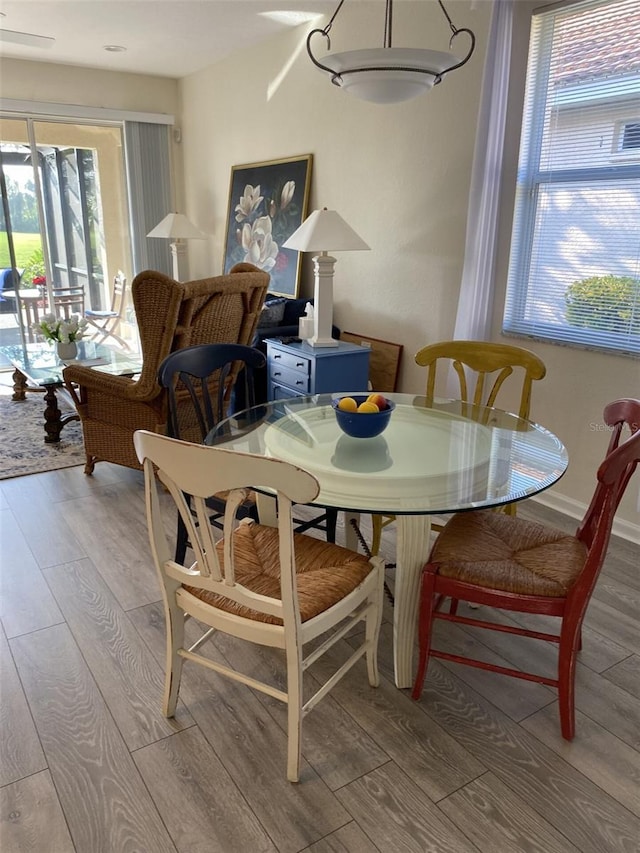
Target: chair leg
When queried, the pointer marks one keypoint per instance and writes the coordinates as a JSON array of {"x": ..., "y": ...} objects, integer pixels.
[
  {"x": 174, "y": 661},
  {"x": 294, "y": 716},
  {"x": 372, "y": 632},
  {"x": 570, "y": 642},
  {"x": 331, "y": 523},
  {"x": 376, "y": 535},
  {"x": 425, "y": 626}
]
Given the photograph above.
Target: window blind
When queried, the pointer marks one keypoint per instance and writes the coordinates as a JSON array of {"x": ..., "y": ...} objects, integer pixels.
[{"x": 574, "y": 272}]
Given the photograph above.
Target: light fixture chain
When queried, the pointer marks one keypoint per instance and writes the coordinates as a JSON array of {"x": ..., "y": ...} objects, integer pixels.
[{"x": 388, "y": 23}]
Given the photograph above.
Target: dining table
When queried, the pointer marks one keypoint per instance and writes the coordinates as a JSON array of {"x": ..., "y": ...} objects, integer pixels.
[{"x": 435, "y": 457}]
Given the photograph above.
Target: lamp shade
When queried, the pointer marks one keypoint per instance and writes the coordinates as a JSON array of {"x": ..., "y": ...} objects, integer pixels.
[
  {"x": 325, "y": 231},
  {"x": 176, "y": 226}
]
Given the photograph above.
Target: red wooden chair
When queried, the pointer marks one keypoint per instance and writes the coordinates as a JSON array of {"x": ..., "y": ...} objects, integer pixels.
[{"x": 507, "y": 562}]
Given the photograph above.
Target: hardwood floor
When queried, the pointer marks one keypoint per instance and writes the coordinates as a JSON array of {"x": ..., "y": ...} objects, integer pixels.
[{"x": 89, "y": 764}]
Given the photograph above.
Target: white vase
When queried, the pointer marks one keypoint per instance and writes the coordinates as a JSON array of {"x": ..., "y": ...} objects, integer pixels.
[{"x": 67, "y": 351}]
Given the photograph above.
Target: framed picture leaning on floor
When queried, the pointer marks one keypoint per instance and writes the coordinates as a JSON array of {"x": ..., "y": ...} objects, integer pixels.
[{"x": 267, "y": 202}]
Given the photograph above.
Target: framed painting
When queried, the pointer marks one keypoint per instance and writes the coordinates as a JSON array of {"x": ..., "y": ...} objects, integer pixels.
[{"x": 267, "y": 203}]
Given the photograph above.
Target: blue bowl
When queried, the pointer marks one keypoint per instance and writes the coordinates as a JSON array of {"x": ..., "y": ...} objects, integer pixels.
[{"x": 362, "y": 424}]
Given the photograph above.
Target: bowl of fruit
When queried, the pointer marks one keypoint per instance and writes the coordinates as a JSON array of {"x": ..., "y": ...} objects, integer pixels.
[{"x": 363, "y": 415}]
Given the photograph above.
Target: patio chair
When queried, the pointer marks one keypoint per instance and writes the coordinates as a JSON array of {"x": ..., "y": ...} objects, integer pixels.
[
  {"x": 481, "y": 368},
  {"x": 107, "y": 323},
  {"x": 265, "y": 585},
  {"x": 493, "y": 559},
  {"x": 171, "y": 315},
  {"x": 68, "y": 301}
]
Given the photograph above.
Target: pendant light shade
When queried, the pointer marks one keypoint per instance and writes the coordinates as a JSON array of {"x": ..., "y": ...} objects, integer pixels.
[{"x": 388, "y": 74}]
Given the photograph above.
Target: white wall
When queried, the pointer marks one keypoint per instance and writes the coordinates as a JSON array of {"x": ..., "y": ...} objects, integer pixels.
[
  {"x": 399, "y": 175},
  {"x": 67, "y": 84}
]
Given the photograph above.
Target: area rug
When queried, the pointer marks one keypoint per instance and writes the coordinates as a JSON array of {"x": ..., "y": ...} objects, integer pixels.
[{"x": 22, "y": 447}]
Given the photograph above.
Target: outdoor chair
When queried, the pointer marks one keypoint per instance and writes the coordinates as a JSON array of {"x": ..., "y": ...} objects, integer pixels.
[
  {"x": 171, "y": 315},
  {"x": 506, "y": 562},
  {"x": 107, "y": 323},
  {"x": 481, "y": 368},
  {"x": 68, "y": 301},
  {"x": 266, "y": 585}
]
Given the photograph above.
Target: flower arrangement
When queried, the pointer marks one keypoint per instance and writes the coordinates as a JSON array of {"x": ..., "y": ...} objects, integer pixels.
[{"x": 61, "y": 330}]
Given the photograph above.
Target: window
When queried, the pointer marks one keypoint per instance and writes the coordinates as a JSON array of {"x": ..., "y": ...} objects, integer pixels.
[
  {"x": 631, "y": 136},
  {"x": 574, "y": 271}
]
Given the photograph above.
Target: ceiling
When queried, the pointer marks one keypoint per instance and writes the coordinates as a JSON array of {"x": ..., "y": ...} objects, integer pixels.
[{"x": 171, "y": 38}]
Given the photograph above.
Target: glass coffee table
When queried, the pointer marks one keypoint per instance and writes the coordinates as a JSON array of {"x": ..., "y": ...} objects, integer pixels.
[{"x": 38, "y": 368}]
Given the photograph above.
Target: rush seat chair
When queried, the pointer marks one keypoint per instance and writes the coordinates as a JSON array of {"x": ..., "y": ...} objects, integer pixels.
[
  {"x": 482, "y": 368},
  {"x": 507, "y": 562},
  {"x": 202, "y": 373},
  {"x": 265, "y": 585}
]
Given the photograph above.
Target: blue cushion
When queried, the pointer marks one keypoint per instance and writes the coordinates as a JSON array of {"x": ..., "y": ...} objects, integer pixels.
[{"x": 272, "y": 313}]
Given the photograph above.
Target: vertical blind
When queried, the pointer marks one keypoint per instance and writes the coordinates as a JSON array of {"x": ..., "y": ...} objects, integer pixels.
[
  {"x": 574, "y": 272},
  {"x": 149, "y": 185}
]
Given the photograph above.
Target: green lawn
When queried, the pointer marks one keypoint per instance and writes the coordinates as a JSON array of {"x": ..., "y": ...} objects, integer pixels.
[{"x": 24, "y": 244}]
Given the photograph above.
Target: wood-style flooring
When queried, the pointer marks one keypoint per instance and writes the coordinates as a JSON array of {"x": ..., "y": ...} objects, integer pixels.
[{"x": 89, "y": 764}]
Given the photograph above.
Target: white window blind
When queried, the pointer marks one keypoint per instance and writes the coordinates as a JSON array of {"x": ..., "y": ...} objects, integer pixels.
[{"x": 574, "y": 272}]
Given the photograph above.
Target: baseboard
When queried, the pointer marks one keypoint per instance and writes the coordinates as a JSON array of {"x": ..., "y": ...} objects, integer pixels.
[{"x": 576, "y": 509}]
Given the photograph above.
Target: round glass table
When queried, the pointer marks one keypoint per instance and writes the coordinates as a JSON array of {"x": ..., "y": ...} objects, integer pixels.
[{"x": 434, "y": 457}]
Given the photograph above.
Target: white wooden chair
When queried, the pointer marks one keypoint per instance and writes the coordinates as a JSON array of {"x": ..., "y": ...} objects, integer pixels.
[{"x": 263, "y": 584}]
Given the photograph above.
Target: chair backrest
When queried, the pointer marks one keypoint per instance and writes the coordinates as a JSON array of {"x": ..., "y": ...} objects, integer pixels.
[
  {"x": 68, "y": 301},
  {"x": 9, "y": 280},
  {"x": 484, "y": 359},
  {"x": 615, "y": 471},
  {"x": 118, "y": 293},
  {"x": 203, "y": 374},
  {"x": 172, "y": 315},
  {"x": 194, "y": 472}
]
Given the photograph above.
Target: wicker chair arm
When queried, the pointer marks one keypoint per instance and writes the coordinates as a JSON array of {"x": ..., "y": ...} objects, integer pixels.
[{"x": 123, "y": 387}]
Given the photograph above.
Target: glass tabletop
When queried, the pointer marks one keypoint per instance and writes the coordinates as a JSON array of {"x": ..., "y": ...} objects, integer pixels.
[
  {"x": 434, "y": 457},
  {"x": 39, "y": 362}
]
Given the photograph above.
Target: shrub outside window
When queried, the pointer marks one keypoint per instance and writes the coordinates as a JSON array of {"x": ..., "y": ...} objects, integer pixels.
[{"x": 574, "y": 271}]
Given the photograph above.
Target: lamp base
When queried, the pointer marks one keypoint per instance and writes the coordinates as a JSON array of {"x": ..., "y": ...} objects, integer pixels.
[{"x": 322, "y": 342}]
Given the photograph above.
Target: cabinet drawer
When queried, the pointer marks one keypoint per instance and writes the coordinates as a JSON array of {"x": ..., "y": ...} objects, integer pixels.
[
  {"x": 293, "y": 378},
  {"x": 290, "y": 361}
]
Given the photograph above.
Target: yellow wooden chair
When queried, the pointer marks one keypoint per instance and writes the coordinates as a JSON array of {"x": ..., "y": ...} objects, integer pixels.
[{"x": 482, "y": 368}]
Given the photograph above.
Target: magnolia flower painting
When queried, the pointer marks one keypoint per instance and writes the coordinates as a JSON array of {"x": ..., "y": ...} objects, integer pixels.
[{"x": 267, "y": 203}]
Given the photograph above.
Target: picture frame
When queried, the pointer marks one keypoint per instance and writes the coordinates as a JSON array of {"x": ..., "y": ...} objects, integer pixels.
[
  {"x": 384, "y": 361},
  {"x": 268, "y": 201}
]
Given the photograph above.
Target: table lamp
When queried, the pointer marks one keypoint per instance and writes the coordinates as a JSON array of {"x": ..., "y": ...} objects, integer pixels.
[
  {"x": 177, "y": 228},
  {"x": 324, "y": 231}
]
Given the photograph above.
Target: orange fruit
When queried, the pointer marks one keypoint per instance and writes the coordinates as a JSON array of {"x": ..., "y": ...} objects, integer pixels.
[
  {"x": 348, "y": 404},
  {"x": 368, "y": 407}
]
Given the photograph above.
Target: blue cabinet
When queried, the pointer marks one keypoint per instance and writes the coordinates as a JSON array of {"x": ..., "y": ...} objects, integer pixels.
[{"x": 295, "y": 369}]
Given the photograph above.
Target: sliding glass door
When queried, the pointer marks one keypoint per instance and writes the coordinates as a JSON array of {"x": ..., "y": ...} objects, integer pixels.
[{"x": 65, "y": 217}]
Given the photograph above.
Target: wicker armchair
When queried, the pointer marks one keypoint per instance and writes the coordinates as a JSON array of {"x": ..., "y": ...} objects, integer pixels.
[{"x": 170, "y": 315}]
